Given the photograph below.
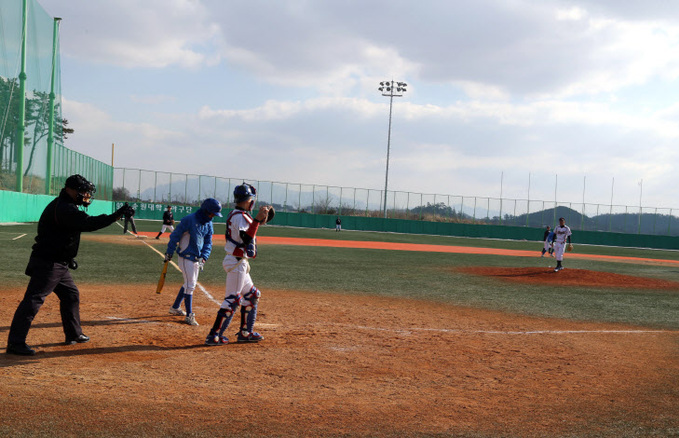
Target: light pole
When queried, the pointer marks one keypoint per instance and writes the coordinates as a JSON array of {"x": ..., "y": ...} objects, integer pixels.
[{"x": 390, "y": 89}]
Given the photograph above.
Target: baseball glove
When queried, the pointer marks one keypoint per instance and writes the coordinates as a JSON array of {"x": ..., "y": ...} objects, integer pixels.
[
  {"x": 569, "y": 248},
  {"x": 271, "y": 215}
]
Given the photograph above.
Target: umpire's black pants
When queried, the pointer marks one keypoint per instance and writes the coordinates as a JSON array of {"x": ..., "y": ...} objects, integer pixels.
[{"x": 47, "y": 277}]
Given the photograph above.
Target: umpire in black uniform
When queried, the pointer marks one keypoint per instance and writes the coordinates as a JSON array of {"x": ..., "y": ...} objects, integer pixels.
[{"x": 54, "y": 251}]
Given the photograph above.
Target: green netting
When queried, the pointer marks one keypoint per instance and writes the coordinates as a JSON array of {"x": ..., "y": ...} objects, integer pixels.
[
  {"x": 39, "y": 48},
  {"x": 34, "y": 162}
]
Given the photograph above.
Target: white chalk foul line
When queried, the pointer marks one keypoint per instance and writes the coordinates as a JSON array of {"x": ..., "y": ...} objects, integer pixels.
[
  {"x": 19, "y": 237},
  {"x": 506, "y": 332},
  {"x": 140, "y": 321},
  {"x": 174, "y": 265}
]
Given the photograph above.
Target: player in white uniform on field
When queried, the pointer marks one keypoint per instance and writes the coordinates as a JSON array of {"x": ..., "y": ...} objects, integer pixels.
[
  {"x": 561, "y": 239},
  {"x": 241, "y": 245}
]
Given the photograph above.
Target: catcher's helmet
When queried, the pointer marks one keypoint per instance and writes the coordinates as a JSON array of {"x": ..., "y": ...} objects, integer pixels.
[
  {"x": 84, "y": 188},
  {"x": 244, "y": 192},
  {"x": 211, "y": 205}
]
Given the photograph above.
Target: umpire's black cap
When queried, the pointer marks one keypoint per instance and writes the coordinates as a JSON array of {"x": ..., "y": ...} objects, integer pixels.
[{"x": 80, "y": 184}]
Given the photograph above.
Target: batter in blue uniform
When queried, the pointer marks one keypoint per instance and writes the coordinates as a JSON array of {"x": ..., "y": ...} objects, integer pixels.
[{"x": 192, "y": 240}]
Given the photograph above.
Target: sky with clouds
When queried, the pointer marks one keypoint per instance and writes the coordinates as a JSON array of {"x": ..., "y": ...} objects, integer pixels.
[{"x": 579, "y": 96}]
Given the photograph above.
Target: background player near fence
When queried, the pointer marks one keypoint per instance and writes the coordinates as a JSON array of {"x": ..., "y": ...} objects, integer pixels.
[
  {"x": 192, "y": 239},
  {"x": 241, "y": 245},
  {"x": 562, "y": 238},
  {"x": 338, "y": 224},
  {"x": 548, "y": 239},
  {"x": 168, "y": 221},
  {"x": 129, "y": 220}
]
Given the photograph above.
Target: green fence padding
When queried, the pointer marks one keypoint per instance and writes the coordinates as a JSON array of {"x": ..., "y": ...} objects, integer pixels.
[{"x": 24, "y": 207}]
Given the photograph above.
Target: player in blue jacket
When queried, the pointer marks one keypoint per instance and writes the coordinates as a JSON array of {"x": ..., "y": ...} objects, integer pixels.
[
  {"x": 548, "y": 239},
  {"x": 192, "y": 240}
]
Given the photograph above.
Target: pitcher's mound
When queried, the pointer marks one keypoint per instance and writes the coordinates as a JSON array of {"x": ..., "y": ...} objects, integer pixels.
[{"x": 570, "y": 277}]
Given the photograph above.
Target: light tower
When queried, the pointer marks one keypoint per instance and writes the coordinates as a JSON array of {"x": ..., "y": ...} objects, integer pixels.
[{"x": 390, "y": 89}]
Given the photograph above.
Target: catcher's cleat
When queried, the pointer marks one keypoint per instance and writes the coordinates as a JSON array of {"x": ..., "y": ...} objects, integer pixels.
[
  {"x": 250, "y": 337},
  {"x": 191, "y": 319},
  {"x": 178, "y": 312},
  {"x": 215, "y": 340}
]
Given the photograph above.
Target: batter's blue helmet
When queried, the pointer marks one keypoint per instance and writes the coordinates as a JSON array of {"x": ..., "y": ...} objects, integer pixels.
[
  {"x": 211, "y": 205},
  {"x": 244, "y": 192}
]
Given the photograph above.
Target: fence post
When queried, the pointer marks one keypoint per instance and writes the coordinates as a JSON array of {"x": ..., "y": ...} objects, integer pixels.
[
  {"x": 474, "y": 213},
  {"x": 139, "y": 187},
  {"x": 170, "y": 190},
  {"x": 367, "y": 203},
  {"x": 669, "y": 224},
  {"x": 655, "y": 218},
  {"x": 450, "y": 210},
  {"x": 155, "y": 185},
  {"x": 313, "y": 198},
  {"x": 285, "y": 203},
  {"x": 408, "y": 206},
  {"x": 340, "y": 202}
]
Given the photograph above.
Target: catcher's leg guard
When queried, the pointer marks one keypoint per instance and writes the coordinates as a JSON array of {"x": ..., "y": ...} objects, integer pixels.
[
  {"x": 248, "y": 316},
  {"x": 225, "y": 315}
]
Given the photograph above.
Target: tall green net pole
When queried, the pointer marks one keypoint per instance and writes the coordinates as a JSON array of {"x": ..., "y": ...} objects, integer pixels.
[
  {"x": 22, "y": 101},
  {"x": 50, "y": 134}
]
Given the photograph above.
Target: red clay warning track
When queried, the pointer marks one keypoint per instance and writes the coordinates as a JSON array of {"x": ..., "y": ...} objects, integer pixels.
[{"x": 294, "y": 241}]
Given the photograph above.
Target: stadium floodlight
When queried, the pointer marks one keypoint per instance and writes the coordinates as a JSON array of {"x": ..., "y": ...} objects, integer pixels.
[{"x": 390, "y": 89}]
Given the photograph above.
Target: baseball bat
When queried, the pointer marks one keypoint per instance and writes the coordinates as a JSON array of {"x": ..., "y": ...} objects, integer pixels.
[{"x": 161, "y": 281}]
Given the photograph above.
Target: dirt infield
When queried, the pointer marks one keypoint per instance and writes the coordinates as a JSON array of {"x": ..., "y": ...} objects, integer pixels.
[
  {"x": 334, "y": 365},
  {"x": 338, "y": 365},
  {"x": 570, "y": 277}
]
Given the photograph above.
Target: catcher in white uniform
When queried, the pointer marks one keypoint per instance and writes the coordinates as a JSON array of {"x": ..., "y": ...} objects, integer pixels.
[
  {"x": 562, "y": 242},
  {"x": 241, "y": 245}
]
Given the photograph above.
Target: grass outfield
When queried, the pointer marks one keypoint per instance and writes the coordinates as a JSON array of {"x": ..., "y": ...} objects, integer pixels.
[{"x": 419, "y": 275}]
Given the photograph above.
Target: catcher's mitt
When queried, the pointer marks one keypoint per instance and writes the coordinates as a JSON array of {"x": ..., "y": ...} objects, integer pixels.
[
  {"x": 271, "y": 214},
  {"x": 569, "y": 248}
]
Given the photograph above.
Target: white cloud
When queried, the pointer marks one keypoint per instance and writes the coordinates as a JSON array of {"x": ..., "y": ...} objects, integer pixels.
[
  {"x": 152, "y": 99},
  {"x": 512, "y": 83}
]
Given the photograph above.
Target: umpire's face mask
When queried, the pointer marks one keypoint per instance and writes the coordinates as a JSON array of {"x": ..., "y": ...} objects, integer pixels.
[{"x": 86, "y": 198}]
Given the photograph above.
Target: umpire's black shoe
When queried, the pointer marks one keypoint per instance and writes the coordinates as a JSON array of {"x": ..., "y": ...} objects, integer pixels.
[
  {"x": 77, "y": 340},
  {"x": 20, "y": 349}
]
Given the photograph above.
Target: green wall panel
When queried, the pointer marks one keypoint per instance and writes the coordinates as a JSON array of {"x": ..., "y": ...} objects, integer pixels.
[{"x": 22, "y": 207}]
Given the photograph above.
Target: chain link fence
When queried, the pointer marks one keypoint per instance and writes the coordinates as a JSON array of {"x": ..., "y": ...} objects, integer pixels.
[{"x": 139, "y": 185}]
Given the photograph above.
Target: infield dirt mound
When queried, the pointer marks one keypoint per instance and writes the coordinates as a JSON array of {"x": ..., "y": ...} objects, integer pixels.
[
  {"x": 333, "y": 365},
  {"x": 570, "y": 277}
]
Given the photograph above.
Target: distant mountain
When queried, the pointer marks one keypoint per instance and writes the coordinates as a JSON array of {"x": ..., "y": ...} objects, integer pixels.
[{"x": 653, "y": 224}]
